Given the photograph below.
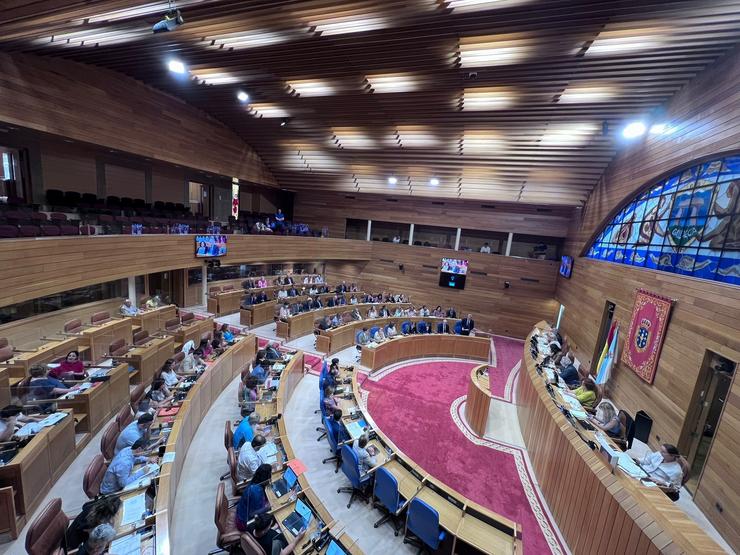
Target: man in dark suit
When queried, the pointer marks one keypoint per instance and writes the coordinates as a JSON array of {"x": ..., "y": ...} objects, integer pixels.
[
  {"x": 444, "y": 327},
  {"x": 292, "y": 292},
  {"x": 467, "y": 325},
  {"x": 451, "y": 313},
  {"x": 262, "y": 297},
  {"x": 249, "y": 300},
  {"x": 332, "y": 302}
]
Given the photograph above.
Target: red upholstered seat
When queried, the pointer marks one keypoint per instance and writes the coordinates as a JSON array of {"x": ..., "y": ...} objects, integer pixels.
[
  {"x": 46, "y": 533},
  {"x": 93, "y": 476},
  {"x": 172, "y": 324},
  {"x": 141, "y": 337},
  {"x": 137, "y": 395},
  {"x": 186, "y": 317},
  {"x": 6, "y": 353},
  {"x": 118, "y": 348},
  {"x": 108, "y": 441},
  {"x": 100, "y": 318},
  {"x": 225, "y": 518},
  {"x": 73, "y": 326}
]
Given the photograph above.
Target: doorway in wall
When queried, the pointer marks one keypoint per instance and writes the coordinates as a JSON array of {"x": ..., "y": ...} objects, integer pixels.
[
  {"x": 712, "y": 387},
  {"x": 606, "y": 323}
]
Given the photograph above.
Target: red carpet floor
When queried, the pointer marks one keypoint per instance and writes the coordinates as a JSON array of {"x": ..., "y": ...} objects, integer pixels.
[
  {"x": 412, "y": 406},
  {"x": 502, "y": 376}
]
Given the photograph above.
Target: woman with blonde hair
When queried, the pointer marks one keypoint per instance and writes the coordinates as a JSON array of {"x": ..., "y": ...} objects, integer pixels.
[{"x": 607, "y": 419}]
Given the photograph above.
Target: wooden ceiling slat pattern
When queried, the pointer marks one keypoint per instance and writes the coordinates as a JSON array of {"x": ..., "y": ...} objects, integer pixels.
[{"x": 510, "y": 100}]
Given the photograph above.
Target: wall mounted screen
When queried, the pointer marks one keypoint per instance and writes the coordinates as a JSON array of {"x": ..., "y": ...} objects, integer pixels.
[
  {"x": 454, "y": 266},
  {"x": 207, "y": 246},
  {"x": 687, "y": 224}
]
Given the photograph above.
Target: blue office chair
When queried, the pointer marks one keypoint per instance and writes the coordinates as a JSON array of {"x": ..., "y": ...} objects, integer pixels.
[
  {"x": 351, "y": 469},
  {"x": 372, "y": 331},
  {"x": 423, "y": 522},
  {"x": 333, "y": 445},
  {"x": 322, "y": 410},
  {"x": 458, "y": 327},
  {"x": 388, "y": 499},
  {"x": 357, "y": 337},
  {"x": 422, "y": 327},
  {"x": 406, "y": 328}
]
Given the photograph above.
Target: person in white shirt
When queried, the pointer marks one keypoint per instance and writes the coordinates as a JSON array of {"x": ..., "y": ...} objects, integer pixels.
[
  {"x": 249, "y": 458},
  {"x": 486, "y": 248},
  {"x": 424, "y": 311},
  {"x": 373, "y": 312},
  {"x": 284, "y": 312},
  {"x": 168, "y": 374},
  {"x": 282, "y": 294},
  {"x": 128, "y": 309},
  {"x": 396, "y": 239},
  {"x": 663, "y": 467},
  {"x": 391, "y": 333},
  {"x": 313, "y": 291},
  {"x": 379, "y": 336},
  {"x": 353, "y": 300}
]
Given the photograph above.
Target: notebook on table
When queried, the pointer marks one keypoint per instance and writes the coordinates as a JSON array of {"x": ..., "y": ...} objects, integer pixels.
[
  {"x": 171, "y": 411},
  {"x": 299, "y": 519}
]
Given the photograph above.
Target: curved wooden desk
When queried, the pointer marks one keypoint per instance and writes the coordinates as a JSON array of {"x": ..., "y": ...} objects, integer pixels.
[
  {"x": 479, "y": 400},
  {"x": 596, "y": 510},
  {"x": 469, "y": 524},
  {"x": 429, "y": 345},
  {"x": 334, "y": 340}
]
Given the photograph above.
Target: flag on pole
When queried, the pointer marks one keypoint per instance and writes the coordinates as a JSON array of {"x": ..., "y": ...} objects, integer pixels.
[{"x": 605, "y": 368}]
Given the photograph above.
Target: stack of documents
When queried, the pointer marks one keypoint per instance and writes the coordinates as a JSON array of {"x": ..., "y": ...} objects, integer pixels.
[
  {"x": 35, "y": 427},
  {"x": 630, "y": 467}
]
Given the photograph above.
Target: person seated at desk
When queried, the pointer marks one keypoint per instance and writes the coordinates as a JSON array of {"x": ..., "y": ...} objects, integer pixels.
[
  {"x": 144, "y": 407},
  {"x": 258, "y": 372},
  {"x": 379, "y": 335},
  {"x": 99, "y": 540},
  {"x": 261, "y": 282},
  {"x": 336, "y": 427},
  {"x": 438, "y": 312},
  {"x": 341, "y": 300},
  {"x": 445, "y": 327},
  {"x": 249, "y": 394},
  {"x": 607, "y": 420},
  {"x": 226, "y": 333},
  {"x": 279, "y": 220},
  {"x": 254, "y": 500},
  {"x": 399, "y": 312},
  {"x": 128, "y": 308},
  {"x": 11, "y": 418},
  {"x": 204, "y": 350},
  {"x": 486, "y": 248},
  {"x": 272, "y": 354},
  {"x": 159, "y": 394},
  {"x": 330, "y": 401},
  {"x": 292, "y": 292},
  {"x": 336, "y": 321},
  {"x": 249, "y": 458},
  {"x": 664, "y": 469},
  {"x": 218, "y": 344},
  {"x": 271, "y": 540},
  {"x": 467, "y": 325},
  {"x": 411, "y": 311},
  {"x": 262, "y": 297},
  {"x": 313, "y": 290},
  {"x": 138, "y": 429},
  {"x": 353, "y": 299},
  {"x": 391, "y": 331},
  {"x": 586, "y": 393},
  {"x": 168, "y": 374},
  {"x": 570, "y": 376},
  {"x": 353, "y": 288},
  {"x": 121, "y": 472},
  {"x": 424, "y": 311},
  {"x": 248, "y": 284},
  {"x": 94, "y": 513},
  {"x": 451, "y": 312},
  {"x": 341, "y": 288},
  {"x": 366, "y": 457},
  {"x": 71, "y": 368},
  {"x": 356, "y": 314},
  {"x": 282, "y": 294},
  {"x": 153, "y": 302},
  {"x": 41, "y": 386},
  {"x": 333, "y": 301},
  {"x": 245, "y": 430},
  {"x": 363, "y": 338},
  {"x": 325, "y": 323},
  {"x": 284, "y": 312},
  {"x": 249, "y": 301},
  {"x": 384, "y": 312},
  {"x": 373, "y": 312}
]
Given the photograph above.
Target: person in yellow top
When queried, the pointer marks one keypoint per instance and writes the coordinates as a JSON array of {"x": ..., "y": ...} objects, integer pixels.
[{"x": 586, "y": 393}]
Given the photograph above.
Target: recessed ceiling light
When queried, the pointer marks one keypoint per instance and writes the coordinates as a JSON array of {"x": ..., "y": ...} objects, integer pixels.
[
  {"x": 480, "y": 141},
  {"x": 634, "y": 129},
  {"x": 393, "y": 82},
  {"x": 492, "y": 50},
  {"x": 460, "y": 6},
  {"x": 215, "y": 77},
  {"x": 311, "y": 87},
  {"x": 267, "y": 110},
  {"x": 242, "y": 96},
  {"x": 343, "y": 25},
  {"x": 626, "y": 40},
  {"x": 434, "y": 181},
  {"x": 392, "y": 180},
  {"x": 586, "y": 93},
  {"x": 416, "y": 136},
  {"x": 176, "y": 66},
  {"x": 568, "y": 134},
  {"x": 487, "y": 98},
  {"x": 352, "y": 138}
]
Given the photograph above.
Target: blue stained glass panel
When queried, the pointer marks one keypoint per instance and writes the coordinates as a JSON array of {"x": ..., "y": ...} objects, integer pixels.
[{"x": 729, "y": 268}]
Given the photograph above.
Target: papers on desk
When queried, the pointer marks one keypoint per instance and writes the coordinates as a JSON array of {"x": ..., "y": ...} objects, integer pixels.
[
  {"x": 372, "y": 345},
  {"x": 278, "y": 367},
  {"x": 574, "y": 406},
  {"x": 35, "y": 427},
  {"x": 269, "y": 453},
  {"x": 148, "y": 472},
  {"x": 133, "y": 509},
  {"x": 272, "y": 382},
  {"x": 107, "y": 363},
  {"x": 83, "y": 387},
  {"x": 355, "y": 429},
  {"x": 127, "y": 545},
  {"x": 99, "y": 373},
  {"x": 168, "y": 457},
  {"x": 629, "y": 467}
]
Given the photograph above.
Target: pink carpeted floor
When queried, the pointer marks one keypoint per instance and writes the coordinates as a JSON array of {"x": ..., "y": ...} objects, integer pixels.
[
  {"x": 412, "y": 406},
  {"x": 502, "y": 376}
]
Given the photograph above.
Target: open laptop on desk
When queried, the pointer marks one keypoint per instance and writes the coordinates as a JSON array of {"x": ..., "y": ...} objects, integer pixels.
[
  {"x": 335, "y": 549},
  {"x": 286, "y": 483},
  {"x": 299, "y": 519}
]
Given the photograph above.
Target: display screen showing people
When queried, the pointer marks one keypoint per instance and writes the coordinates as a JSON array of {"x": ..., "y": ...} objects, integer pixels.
[
  {"x": 566, "y": 266},
  {"x": 453, "y": 273},
  {"x": 210, "y": 245},
  {"x": 454, "y": 266}
]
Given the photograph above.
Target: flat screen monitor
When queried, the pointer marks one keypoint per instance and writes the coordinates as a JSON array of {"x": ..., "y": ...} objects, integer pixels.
[
  {"x": 334, "y": 549},
  {"x": 454, "y": 266},
  {"x": 207, "y": 246},
  {"x": 454, "y": 281},
  {"x": 566, "y": 266}
]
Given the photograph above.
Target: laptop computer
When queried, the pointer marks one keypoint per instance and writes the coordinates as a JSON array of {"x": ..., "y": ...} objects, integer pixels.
[
  {"x": 299, "y": 519},
  {"x": 334, "y": 549},
  {"x": 286, "y": 483}
]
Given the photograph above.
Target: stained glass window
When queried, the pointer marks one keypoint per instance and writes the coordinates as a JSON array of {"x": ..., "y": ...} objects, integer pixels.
[{"x": 687, "y": 224}]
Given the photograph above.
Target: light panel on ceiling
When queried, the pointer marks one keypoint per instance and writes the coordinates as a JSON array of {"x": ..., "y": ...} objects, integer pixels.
[
  {"x": 349, "y": 24},
  {"x": 568, "y": 134},
  {"x": 479, "y": 141},
  {"x": 352, "y": 138},
  {"x": 584, "y": 94},
  {"x": 623, "y": 41},
  {"x": 311, "y": 87},
  {"x": 253, "y": 39},
  {"x": 140, "y": 11},
  {"x": 416, "y": 136},
  {"x": 215, "y": 77},
  {"x": 393, "y": 82},
  {"x": 462, "y": 6},
  {"x": 267, "y": 110},
  {"x": 487, "y": 98},
  {"x": 493, "y": 50}
]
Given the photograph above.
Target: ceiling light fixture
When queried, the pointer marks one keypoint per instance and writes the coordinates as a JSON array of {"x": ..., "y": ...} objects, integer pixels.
[
  {"x": 345, "y": 25},
  {"x": 171, "y": 21},
  {"x": 568, "y": 134},
  {"x": 659, "y": 129},
  {"x": 493, "y": 50},
  {"x": 176, "y": 66},
  {"x": 311, "y": 87},
  {"x": 487, "y": 98},
  {"x": 434, "y": 181},
  {"x": 586, "y": 93},
  {"x": 267, "y": 110},
  {"x": 392, "y": 180},
  {"x": 392, "y": 82},
  {"x": 242, "y": 96},
  {"x": 634, "y": 130},
  {"x": 619, "y": 41}
]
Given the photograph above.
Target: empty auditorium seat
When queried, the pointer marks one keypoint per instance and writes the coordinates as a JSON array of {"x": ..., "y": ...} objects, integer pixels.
[
  {"x": 55, "y": 197},
  {"x": 68, "y": 229},
  {"x": 172, "y": 324},
  {"x": 73, "y": 326},
  {"x": 88, "y": 230},
  {"x": 88, "y": 200},
  {"x": 50, "y": 230},
  {"x": 72, "y": 198},
  {"x": 141, "y": 337},
  {"x": 137, "y": 395},
  {"x": 118, "y": 348},
  {"x": 6, "y": 353},
  {"x": 8, "y": 231},
  {"x": 38, "y": 218},
  {"x": 57, "y": 218},
  {"x": 228, "y": 288},
  {"x": 100, "y": 318},
  {"x": 28, "y": 231},
  {"x": 46, "y": 534},
  {"x": 108, "y": 441},
  {"x": 186, "y": 318},
  {"x": 93, "y": 476}
]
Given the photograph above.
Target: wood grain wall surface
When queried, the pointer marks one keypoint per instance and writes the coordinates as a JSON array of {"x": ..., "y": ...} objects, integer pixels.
[
  {"x": 706, "y": 314},
  {"x": 31, "y": 268},
  {"x": 107, "y": 108},
  {"x": 496, "y": 309},
  {"x": 333, "y": 209}
]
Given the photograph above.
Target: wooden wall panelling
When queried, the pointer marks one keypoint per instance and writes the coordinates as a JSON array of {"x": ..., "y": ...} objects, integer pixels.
[
  {"x": 61, "y": 264},
  {"x": 497, "y": 309},
  {"x": 705, "y": 316},
  {"x": 320, "y": 209},
  {"x": 107, "y": 108}
]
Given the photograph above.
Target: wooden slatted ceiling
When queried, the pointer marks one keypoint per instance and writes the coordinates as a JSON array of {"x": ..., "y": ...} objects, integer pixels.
[{"x": 502, "y": 100}]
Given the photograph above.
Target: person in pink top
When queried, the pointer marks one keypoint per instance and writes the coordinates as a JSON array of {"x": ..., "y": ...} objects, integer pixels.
[
  {"x": 71, "y": 368},
  {"x": 262, "y": 282}
]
